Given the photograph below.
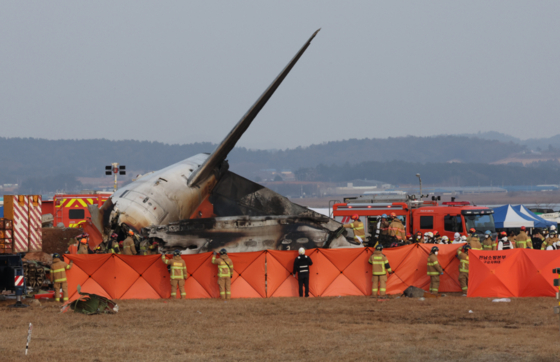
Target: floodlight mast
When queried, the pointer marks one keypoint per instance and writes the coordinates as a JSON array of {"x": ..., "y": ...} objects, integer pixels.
[{"x": 115, "y": 169}]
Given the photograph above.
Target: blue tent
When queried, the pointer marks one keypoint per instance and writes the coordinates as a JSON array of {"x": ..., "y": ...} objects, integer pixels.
[
  {"x": 507, "y": 217},
  {"x": 539, "y": 221}
]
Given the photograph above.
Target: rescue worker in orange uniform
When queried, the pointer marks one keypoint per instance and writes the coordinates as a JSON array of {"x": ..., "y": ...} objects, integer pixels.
[
  {"x": 522, "y": 240},
  {"x": 178, "y": 274},
  {"x": 83, "y": 247},
  {"x": 434, "y": 270},
  {"x": 358, "y": 227},
  {"x": 396, "y": 229},
  {"x": 128, "y": 245},
  {"x": 225, "y": 273},
  {"x": 153, "y": 248},
  {"x": 464, "y": 269},
  {"x": 488, "y": 243},
  {"x": 58, "y": 277},
  {"x": 437, "y": 237},
  {"x": 379, "y": 269}
]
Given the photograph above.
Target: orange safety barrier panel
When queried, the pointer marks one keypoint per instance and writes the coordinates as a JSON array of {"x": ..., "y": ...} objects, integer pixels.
[
  {"x": 118, "y": 276},
  {"x": 513, "y": 273},
  {"x": 262, "y": 274}
]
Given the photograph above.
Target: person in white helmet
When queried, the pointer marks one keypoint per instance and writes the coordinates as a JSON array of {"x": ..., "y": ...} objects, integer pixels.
[
  {"x": 444, "y": 240},
  {"x": 301, "y": 267},
  {"x": 463, "y": 239},
  {"x": 428, "y": 238},
  {"x": 457, "y": 238}
]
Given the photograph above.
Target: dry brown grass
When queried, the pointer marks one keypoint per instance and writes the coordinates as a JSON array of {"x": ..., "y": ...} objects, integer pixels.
[{"x": 289, "y": 329}]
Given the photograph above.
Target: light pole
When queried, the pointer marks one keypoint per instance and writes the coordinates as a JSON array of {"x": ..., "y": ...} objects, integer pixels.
[
  {"x": 115, "y": 169},
  {"x": 420, "y": 180}
]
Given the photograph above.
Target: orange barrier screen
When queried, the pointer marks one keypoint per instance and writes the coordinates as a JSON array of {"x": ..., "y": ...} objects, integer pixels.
[
  {"x": 513, "y": 273},
  {"x": 263, "y": 274}
]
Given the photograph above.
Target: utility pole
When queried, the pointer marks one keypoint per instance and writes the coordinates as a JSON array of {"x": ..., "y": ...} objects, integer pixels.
[
  {"x": 115, "y": 169},
  {"x": 420, "y": 180}
]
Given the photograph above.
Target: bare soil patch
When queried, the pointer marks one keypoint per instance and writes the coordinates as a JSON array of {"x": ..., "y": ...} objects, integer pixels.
[{"x": 289, "y": 329}]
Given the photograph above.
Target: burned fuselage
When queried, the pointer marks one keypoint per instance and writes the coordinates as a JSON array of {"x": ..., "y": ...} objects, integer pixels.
[{"x": 242, "y": 234}]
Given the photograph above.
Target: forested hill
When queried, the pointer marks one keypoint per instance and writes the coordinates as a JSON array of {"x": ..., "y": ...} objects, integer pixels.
[{"x": 22, "y": 158}]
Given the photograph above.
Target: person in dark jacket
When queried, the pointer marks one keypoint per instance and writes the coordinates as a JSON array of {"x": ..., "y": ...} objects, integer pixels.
[{"x": 301, "y": 266}]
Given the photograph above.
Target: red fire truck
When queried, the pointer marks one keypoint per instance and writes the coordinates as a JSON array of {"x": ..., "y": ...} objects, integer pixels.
[
  {"x": 417, "y": 215},
  {"x": 72, "y": 210}
]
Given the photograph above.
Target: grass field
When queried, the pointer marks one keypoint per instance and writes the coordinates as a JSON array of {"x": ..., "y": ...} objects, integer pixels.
[{"x": 289, "y": 329}]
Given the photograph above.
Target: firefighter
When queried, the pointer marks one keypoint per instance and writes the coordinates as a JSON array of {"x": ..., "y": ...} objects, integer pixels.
[
  {"x": 474, "y": 242},
  {"x": 472, "y": 232},
  {"x": 464, "y": 269},
  {"x": 379, "y": 269},
  {"x": 114, "y": 244},
  {"x": 444, "y": 240},
  {"x": 437, "y": 237},
  {"x": 225, "y": 273},
  {"x": 418, "y": 238},
  {"x": 128, "y": 244},
  {"x": 301, "y": 267},
  {"x": 358, "y": 227},
  {"x": 396, "y": 229},
  {"x": 98, "y": 250},
  {"x": 153, "y": 248},
  {"x": 488, "y": 243},
  {"x": 83, "y": 247},
  {"x": 551, "y": 242},
  {"x": 382, "y": 227},
  {"x": 178, "y": 273},
  {"x": 434, "y": 270},
  {"x": 144, "y": 246},
  {"x": 58, "y": 277},
  {"x": 428, "y": 238},
  {"x": 505, "y": 243},
  {"x": 522, "y": 240}
]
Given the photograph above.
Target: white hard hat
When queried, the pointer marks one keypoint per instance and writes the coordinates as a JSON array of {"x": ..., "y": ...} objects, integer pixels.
[
  {"x": 431, "y": 235},
  {"x": 444, "y": 238},
  {"x": 464, "y": 238},
  {"x": 457, "y": 236},
  {"x": 553, "y": 227},
  {"x": 301, "y": 251},
  {"x": 426, "y": 234}
]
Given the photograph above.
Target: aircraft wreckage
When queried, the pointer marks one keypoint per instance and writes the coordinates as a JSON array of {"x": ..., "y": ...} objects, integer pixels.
[{"x": 197, "y": 205}]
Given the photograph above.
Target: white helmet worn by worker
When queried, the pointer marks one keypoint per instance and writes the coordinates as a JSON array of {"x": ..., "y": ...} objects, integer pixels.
[
  {"x": 444, "y": 240},
  {"x": 457, "y": 237},
  {"x": 552, "y": 228},
  {"x": 464, "y": 238},
  {"x": 301, "y": 251}
]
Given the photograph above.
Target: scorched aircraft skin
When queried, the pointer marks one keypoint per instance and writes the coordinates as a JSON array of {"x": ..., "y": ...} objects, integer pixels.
[{"x": 162, "y": 202}]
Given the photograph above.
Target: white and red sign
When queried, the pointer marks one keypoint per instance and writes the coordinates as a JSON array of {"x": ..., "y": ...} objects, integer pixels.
[{"x": 18, "y": 280}]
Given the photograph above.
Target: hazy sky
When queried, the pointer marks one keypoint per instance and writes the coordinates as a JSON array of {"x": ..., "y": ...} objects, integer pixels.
[{"x": 181, "y": 72}]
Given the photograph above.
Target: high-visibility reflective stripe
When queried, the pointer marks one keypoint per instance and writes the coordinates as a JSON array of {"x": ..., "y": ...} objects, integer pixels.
[
  {"x": 57, "y": 270},
  {"x": 177, "y": 277},
  {"x": 222, "y": 292},
  {"x": 382, "y": 289},
  {"x": 173, "y": 293},
  {"x": 68, "y": 266},
  {"x": 464, "y": 270},
  {"x": 64, "y": 299},
  {"x": 433, "y": 273},
  {"x": 57, "y": 299},
  {"x": 183, "y": 293},
  {"x": 178, "y": 267},
  {"x": 432, "y": 264},
  {"x": 60, "y": 280},
  {"x": 464, "y": 288},
  {"x": 378, "y": 262},
  {"x": 228, "y": 292},
  {"x": 374, "y": 290}
]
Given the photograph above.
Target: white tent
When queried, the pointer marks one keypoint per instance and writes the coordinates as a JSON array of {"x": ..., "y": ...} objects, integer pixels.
[{"x": 506, "y": 217}]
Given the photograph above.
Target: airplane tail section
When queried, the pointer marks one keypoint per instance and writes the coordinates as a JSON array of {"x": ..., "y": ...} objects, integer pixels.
[{"x": 221, "y": 152}]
